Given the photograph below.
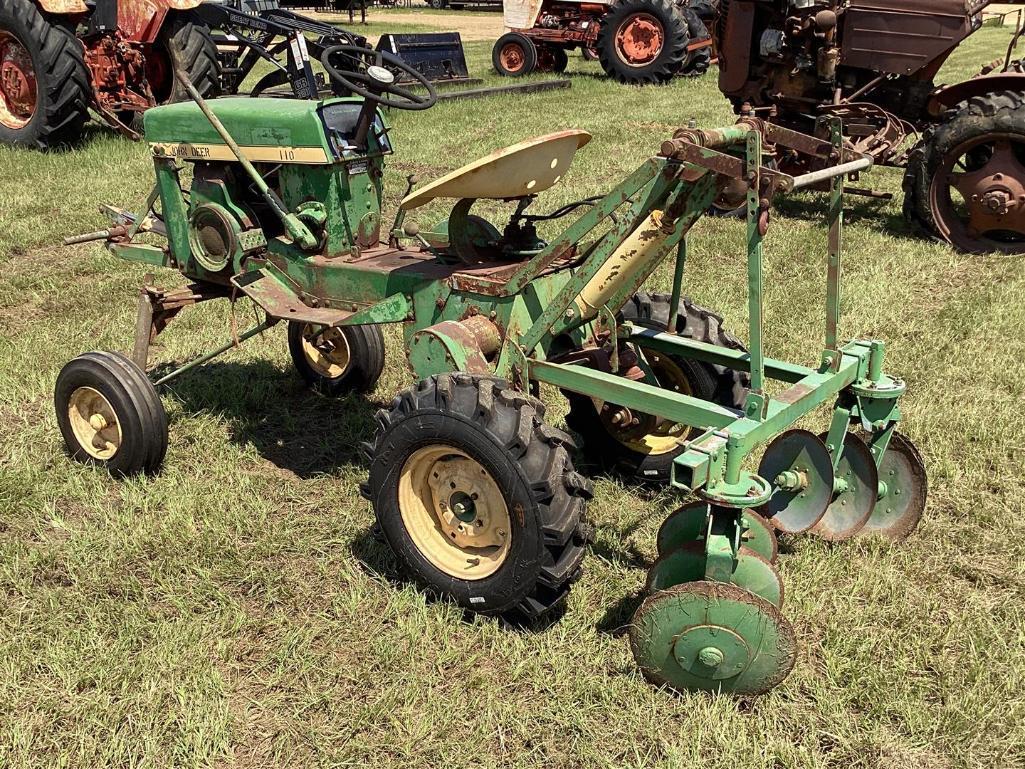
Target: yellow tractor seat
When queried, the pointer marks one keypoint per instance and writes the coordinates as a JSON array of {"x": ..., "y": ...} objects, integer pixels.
[{"x": 512, "y": 172}]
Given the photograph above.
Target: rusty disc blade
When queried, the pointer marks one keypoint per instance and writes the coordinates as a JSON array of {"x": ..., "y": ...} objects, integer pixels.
[
  {"x": 686, "y": 563},
  {"x": 904, "y": 485},
  {"x": 800, "y": 452},
  {"x": 850, "y": 509}
]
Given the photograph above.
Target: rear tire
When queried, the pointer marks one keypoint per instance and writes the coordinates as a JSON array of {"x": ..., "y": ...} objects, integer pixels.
[
  {"x": 51, "y": 113},
  {"x": 551, "y": 58},
  {"x": 698, "y": 62},
  {"x": 927, "y": 200},
  {"x": 189, "y": 45},
  {"x": 514, "y": 55},
  {"x": 718, "y": 384},
  {"x": 479, "y": 433},
  {"x": 643, "y": 41},
  {"x": 110, "y": 414}
]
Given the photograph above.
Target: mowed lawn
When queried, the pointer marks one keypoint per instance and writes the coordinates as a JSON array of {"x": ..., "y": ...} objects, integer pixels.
[{"x": 236, "y": 611}]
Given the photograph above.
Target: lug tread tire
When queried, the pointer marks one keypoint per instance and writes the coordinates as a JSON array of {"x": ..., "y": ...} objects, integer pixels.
[
  {"x": 548, "y": 497},
  {"x": 670, "y": 59},
  {"x": 698, "y": 62},
  {"x": 65, "y": 86},
  {"x": 716, "y": 383},
  {"x": 135, "y": 401},
  {"x": 366, "y": 348},
  {"x": 1002, "y": 111}
]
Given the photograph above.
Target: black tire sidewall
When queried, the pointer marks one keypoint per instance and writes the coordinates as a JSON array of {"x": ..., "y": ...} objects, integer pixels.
[
  {"x": 516, "y": 577},
  {"x": 143, "y": 423}
]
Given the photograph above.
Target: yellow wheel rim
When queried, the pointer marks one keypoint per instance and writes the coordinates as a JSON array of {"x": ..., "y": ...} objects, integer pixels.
[
  {"x": 667, "y": 435},
  {"x": 454, "y": 512},
  {"x": 326, "y": 350},
  {"x": 94, "y": 423}
]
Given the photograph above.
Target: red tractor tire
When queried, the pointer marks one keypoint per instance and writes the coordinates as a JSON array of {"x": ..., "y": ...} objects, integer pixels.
[
  {"x": 552, "y": 58},
  {"x": 643, "y": 41},
  {"x": 188, "y": 44},
  {"x": 45, "y": 88},
  {"x": 514, "y": 55}
]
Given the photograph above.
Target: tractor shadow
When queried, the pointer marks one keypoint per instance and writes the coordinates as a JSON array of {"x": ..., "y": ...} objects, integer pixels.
[
  {"x": 272, "y": 410},
  {"x": 869, "y": 212},
  {"x": 372, "y": 550}
]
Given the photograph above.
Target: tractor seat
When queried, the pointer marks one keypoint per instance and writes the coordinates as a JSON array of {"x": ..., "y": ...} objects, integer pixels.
[{"x": 513, "y": 172}]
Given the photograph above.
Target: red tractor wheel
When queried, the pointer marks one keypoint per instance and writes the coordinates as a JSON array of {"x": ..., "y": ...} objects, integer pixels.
[
  {"x": 643, "y": 41},
  {"x": 44, "y": 83},
  {"x": 965, "y": 182},
  {"x": 514, "y": 55}
]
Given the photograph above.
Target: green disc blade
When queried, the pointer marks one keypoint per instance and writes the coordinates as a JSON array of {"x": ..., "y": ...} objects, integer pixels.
[
  {"x": 712, "y": 636},
  {"x": 905, "y": 489},
  {"x": 687, "y": 524}
]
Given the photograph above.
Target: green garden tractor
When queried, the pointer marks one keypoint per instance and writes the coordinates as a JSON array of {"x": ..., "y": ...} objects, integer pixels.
[{"x": 473, "y": 489}]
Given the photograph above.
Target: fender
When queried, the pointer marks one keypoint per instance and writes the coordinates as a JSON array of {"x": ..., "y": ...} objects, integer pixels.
[
  {"x": 950, "y": 95},
  {"x": 141, "y": 20},
  {"x": 63, "y": 6}
]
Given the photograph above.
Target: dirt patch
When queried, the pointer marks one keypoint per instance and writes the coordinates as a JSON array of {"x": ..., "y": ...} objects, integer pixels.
[{"x": 470, "y": 26}]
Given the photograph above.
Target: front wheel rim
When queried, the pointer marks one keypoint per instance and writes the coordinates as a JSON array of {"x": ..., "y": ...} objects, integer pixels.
[
  {"x": 454, "y": 512},
  {"x": 639, "y": 40},
  {"x": 664, "y": 437},
  {"x": 18, "y": 86},
  {"x": 94, "y": 423},
  {"x": 512, "y": 57}
]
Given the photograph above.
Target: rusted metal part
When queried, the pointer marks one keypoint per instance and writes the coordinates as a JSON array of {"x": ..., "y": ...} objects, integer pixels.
[
  {"x": 17, "y": 83},
  {"x": 639, "y": 39},
  {"x": 950, "y": 96},
  {"x": 448, "y": 346},
  {"x": 989, "y": 177},
  {"x": 157, "y": 308},
  {"x": 281, "y": 301},
  {"x": 63, "y": 6}
]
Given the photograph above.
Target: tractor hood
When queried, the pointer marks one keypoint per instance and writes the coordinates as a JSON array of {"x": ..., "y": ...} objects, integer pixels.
[{"x": 267, "y": 130}]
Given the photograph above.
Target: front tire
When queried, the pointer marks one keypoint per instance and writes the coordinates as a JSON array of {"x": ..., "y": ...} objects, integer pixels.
[
  {"x": 647, "y": 456},
  {"x": 514, "y": 55},
  {"x": 45, "y": 87},
  {"x": 477, "y": 496},
  {"x": 337, "y": 361},
  {"x": 643, "y": 41},
  {"x": 110, "y": 414}
]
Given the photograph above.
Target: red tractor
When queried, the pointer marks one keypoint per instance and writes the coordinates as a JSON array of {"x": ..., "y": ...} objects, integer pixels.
[
  {"x": 59, "y": 58},
  {"x": 636, "y": 41},
  {"x": 873, "y": 64}
]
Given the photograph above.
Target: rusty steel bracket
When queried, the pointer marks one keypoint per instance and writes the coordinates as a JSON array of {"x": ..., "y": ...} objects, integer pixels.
[{"x": 157, "y": 308}]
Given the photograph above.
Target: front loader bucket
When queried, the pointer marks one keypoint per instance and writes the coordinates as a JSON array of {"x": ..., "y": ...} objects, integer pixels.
[{"x": 438, "y": 56}]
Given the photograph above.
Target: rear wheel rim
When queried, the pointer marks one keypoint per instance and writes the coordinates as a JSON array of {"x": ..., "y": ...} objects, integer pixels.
[
  {"x": 94, "y": 423},
  {"x": 639, "y": 40},
  {"x": 512, "y": 57},
  {"x": 977, "y": 195},
  {"x": 18, "y": 87},
  {"x": 664, "y": 436},
  {"x": 326, "y": 350},
  {"x": 454, "y": 512}
]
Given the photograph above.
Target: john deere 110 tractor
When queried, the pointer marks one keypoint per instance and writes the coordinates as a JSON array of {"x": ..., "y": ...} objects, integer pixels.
[{"x": 472, "y": 484}]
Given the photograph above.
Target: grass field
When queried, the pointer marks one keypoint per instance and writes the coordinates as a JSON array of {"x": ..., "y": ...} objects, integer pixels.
[{"x": 236, "y": 611}]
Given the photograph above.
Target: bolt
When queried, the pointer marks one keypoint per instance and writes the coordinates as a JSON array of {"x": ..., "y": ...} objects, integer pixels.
[
  {"x": 570, "y": 313},
  {"x": 459, "y": 508},
  {"x": 710, "y": 657},
  {"x": 501, "y": 533}
]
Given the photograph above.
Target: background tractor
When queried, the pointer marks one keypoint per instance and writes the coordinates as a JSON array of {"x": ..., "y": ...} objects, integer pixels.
[
  {"x": 874, "y": 64},
  {"x": 59, "y": 58},
  {"x": 473, "y": 487},
  {"x": 636, "y": 41}
]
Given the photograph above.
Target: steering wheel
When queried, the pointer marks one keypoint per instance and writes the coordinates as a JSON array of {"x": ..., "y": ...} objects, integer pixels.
[{"x": 373, "y": 77}]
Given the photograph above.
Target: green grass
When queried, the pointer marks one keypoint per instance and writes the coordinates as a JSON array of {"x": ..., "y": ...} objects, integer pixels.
[{"x": 235, "y": 611}]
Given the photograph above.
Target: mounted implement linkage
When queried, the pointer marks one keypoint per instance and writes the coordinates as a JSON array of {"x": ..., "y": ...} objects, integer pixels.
[{"x": 472, "y": 488}]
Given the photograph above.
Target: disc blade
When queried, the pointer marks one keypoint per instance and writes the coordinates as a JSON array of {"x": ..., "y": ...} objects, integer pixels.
[
  {"x": 800, "y": 452},
  {"x": 685, "y": 525},
  {"x": 760, "y": 536},
  {"x": 899, "y": 510},
  {"x": 850, "y": 509},
  {"x": 758, "y": 576},
  {"x": 712, "y": 636}
]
